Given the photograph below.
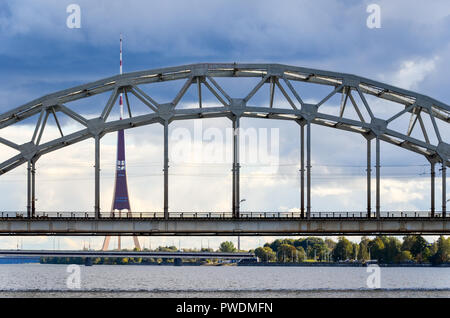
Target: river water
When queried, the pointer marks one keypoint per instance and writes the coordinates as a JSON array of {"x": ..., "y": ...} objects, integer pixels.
[{"x": 43, "y": 280}]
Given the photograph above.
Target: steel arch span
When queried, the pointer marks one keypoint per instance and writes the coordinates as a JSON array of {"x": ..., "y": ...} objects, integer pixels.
[{"x": 352, "y": 91}]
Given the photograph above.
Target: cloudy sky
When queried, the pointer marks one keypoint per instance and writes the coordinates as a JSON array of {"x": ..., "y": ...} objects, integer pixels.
[{"x": 40, "y": 54}]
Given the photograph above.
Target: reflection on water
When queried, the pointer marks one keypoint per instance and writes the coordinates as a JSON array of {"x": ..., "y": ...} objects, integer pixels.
[{"x": 35, "y": 280}]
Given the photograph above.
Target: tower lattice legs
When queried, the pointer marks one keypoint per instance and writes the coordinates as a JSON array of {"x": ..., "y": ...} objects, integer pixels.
[
  {"x": 120, "y": 200},
  {"x": 106, "y": 243},
  {"x": 136, "y": 243}
]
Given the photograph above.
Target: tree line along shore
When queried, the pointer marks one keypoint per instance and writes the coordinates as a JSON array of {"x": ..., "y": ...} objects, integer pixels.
[{"x": 412, "y": 249}]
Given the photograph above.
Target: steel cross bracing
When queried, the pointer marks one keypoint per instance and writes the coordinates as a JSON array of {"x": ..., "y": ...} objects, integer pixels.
[{"x": 203, "y": 76}]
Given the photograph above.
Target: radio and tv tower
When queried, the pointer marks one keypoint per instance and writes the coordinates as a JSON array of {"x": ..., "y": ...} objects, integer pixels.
[{"x": 121, "y": 199}]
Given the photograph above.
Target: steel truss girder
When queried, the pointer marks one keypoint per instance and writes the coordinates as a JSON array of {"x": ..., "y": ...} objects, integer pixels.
[{"x": 204, "y": 74}]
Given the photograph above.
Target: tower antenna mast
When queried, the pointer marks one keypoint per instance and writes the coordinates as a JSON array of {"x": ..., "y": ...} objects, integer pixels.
[{"x": 121, "y": 199}]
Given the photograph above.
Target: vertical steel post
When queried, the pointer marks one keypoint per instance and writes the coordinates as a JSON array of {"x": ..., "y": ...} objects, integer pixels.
[
  {"x": 433, "y": 176},
  {"x": 378, "y": 177},
  {"x": 233, "y": 174},
  {"x": 302, "y": 170},
  {"x": 199, "y": 91},
  {"x": 33, "y": 188},
  {"x": 238, "y": 170},
  {"x": 236, "y": 167},
  {"x": 444, "y": 189},
  {"x": 369, "y": 179},
  {"x": 29, "y": 189},
  {"x": 308, "y": 170},
  {"x": 97, "y": 177},
  {"x": 166, "y": 170}
]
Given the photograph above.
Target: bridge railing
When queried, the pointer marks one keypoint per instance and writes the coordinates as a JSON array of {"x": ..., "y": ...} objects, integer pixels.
[
  {"x": 340, "y": 214},
  {"x": 219, "y": 215}
]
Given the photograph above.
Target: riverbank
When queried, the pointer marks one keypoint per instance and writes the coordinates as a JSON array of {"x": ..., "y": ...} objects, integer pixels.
[
  {"x": 319, "y": 264},
  {"x": 271, "y": 264}
]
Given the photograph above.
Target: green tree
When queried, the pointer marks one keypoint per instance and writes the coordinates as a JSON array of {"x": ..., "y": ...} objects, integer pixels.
[
  {"x": 376, "y": 249},
  {"x": 265, "y": 254},
  {"x": 330, "y": 244},
  {"x": 343, "y": 250},
  {"x": 442, "y": 254},
  {"x": 355, "y": 251},
  {"x": 417, "y": 245},
  {"x": 313, "y": 247},
  {"x": 363, "y": 249},
  {"x": 404, "y": 256},
  {"x": 301, "y": 255},
  {"x": 392, "y": 250},
  {"x": 286, "y": 253},
  {"x": 227, "y": 247},
  {"x": 275, "y": 245},
  {"x": 166, "y": 249}
]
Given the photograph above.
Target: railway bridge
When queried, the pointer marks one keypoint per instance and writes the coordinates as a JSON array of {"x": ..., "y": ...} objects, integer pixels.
[{"x": 427, "y": 135}]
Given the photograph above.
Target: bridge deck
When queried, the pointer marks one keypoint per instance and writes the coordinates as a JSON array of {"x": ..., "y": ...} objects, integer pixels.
[{"x": 224, "y": 226}]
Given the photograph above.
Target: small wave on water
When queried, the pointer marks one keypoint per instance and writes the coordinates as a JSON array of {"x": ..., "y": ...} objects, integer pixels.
[{"x": 229, "y": 293}]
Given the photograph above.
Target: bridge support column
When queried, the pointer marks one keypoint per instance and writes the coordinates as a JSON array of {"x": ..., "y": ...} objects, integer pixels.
[
  {"x": 308, "y": 170},
  {"x": 236, "y": 168},
  {"x": 166, "y": 170},
  {"x": 433, "y": 194},
  {"x": 97, "y": 177},
  {"x": 378, "y": 177},
  {"x": 444, "y": 190},
  {"x": 29, "y": 189},
  {"x": 369, "y": 178},
  {"x": 302, "y": 170},
  {"x": 33, "y": 188}
]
